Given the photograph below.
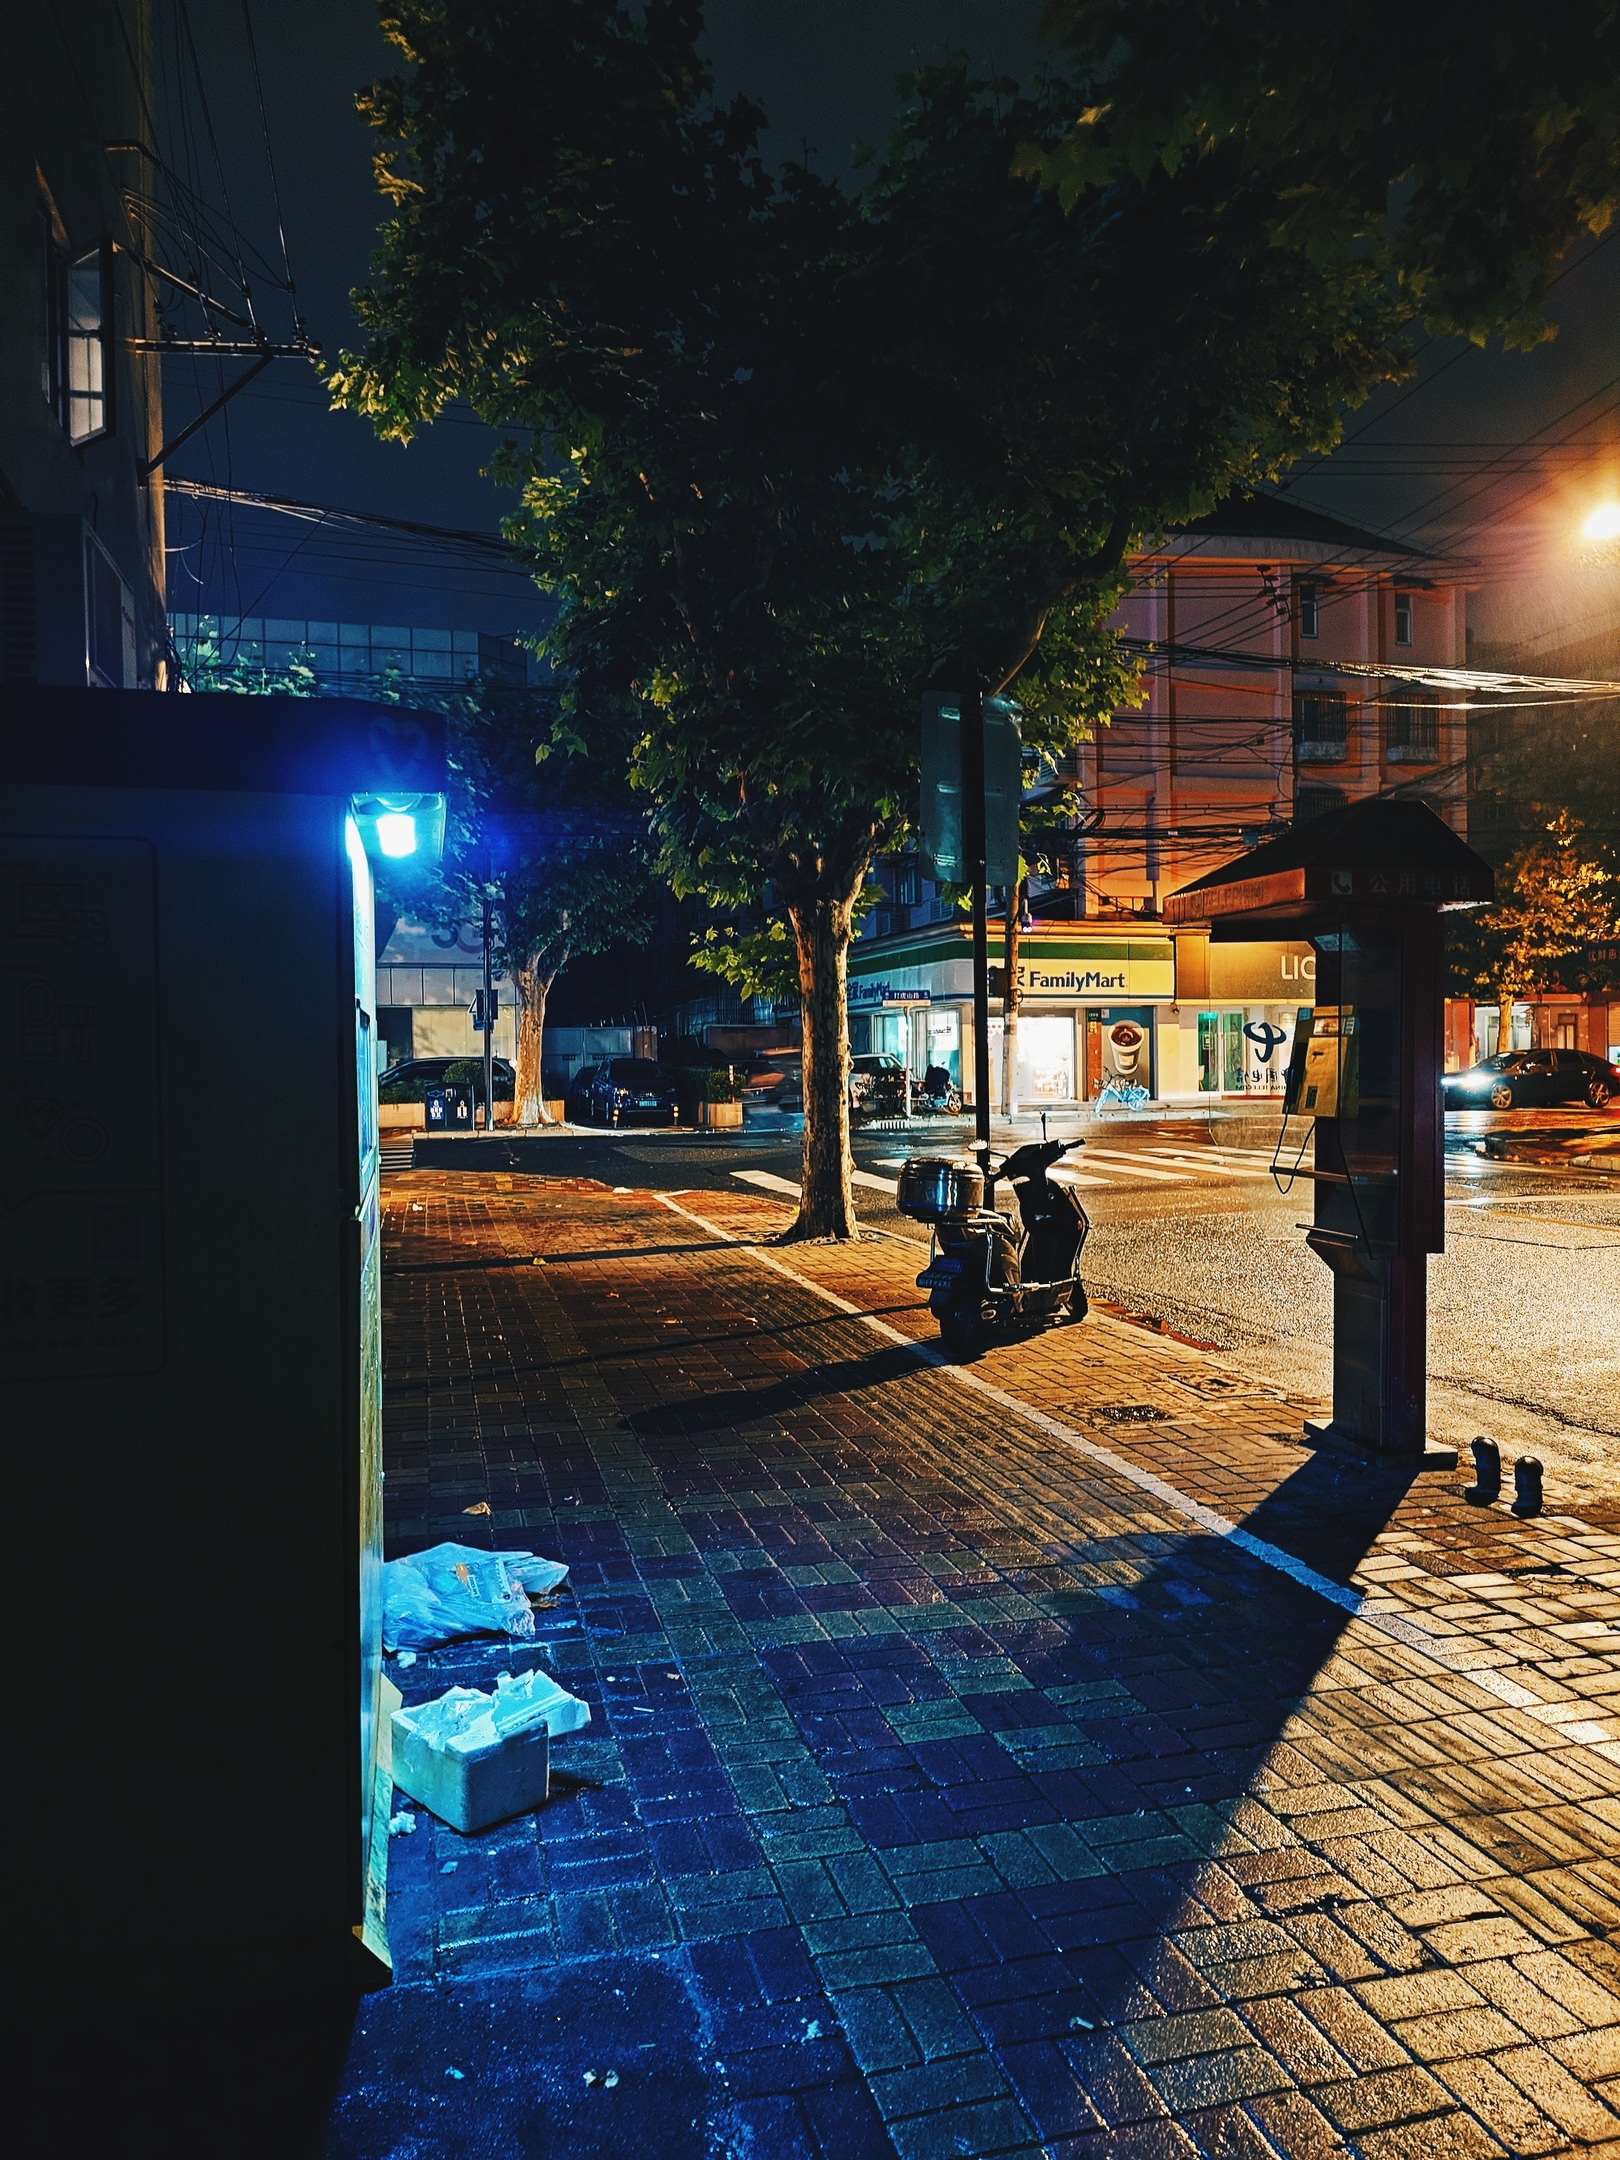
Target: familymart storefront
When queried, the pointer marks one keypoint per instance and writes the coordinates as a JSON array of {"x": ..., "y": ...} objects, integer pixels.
[
  {"x": 1102, "y": 1013},
  {"x": 1091, "y": 1007}
]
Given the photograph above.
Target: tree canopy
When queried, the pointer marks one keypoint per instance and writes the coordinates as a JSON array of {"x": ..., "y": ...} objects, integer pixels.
[
  {"x": 1456, "y": 149},
  {"x": 795, "y": 455}
]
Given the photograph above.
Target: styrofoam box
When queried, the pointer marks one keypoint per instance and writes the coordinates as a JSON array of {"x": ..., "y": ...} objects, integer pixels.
[{"x": 470, "y": 1792}]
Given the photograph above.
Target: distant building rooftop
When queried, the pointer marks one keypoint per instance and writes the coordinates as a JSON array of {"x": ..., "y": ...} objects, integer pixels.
[{"x": 1271, "y": 517}]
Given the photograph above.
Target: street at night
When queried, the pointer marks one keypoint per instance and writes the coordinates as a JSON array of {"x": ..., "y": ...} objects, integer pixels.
[
  {"x": 810, "y": 1078},
  {"x": 1193, "y": 1232}
]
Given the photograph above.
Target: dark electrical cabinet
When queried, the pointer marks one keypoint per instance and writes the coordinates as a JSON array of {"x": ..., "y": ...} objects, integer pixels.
[{"x": 191, "y": 1320}]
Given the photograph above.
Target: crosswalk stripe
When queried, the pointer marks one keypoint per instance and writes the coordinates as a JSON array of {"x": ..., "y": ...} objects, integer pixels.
[
  {"x": 1207, "y": 1165},
  {"x": 874, "y": 1184},
  {"x": 768, "y": 1181},
  {"x": 1135, "y": 1165}
]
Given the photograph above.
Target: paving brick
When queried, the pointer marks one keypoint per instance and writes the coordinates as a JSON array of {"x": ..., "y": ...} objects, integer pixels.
[
  {"x": 1297, "y": 2128},
  {"x": 968, "y": 1729},
  {"x": 1451, "y": 2033},
  {"x": 1549, "y": 2085},
  {"x": 1580, "y": 1993},
  {"x": 1203, "y": 2081},
  {"x": 996, "y": 2127},
  {"x": 1171, "y": 2039},
  {"x": 1453, "y": 2136},
  {"x": 1415, "y": 1995},
  {"x": 1381, "y": 2098},
  {"x": 926, "y": 2088},
  {"x": 1492, "y": 2100}
]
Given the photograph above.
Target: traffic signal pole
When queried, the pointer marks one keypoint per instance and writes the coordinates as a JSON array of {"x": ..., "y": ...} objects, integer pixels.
[{"x": 488, "y": 1018}]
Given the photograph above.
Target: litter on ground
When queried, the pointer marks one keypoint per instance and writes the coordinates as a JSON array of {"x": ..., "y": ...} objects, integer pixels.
[{"x": 436, "y": 1596}]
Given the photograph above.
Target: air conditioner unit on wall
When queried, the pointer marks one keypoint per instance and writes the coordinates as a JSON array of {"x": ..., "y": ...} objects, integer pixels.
[{"x": 67, "y": 614}]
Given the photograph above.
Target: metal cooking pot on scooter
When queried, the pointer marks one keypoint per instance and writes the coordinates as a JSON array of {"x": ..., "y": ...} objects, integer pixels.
[{"x": 984, "y": 1268}]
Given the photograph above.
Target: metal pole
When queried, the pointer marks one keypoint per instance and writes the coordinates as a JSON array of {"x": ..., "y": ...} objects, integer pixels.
[
  {"x": 974, "y": 849},
  {"x": 489, "y": 1020}
]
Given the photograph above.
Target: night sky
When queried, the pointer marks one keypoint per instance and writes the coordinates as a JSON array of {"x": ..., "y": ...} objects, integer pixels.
[{"x": 1497, "y": 458}]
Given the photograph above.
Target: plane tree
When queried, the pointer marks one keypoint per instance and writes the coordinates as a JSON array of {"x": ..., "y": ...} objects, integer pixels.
[{"x": 794, "y": 455}]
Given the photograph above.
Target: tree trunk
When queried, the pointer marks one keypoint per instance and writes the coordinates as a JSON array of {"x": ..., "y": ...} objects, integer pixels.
[
  {"x": 821, "y": 933},
  {"x": 1504, "y": 1023},
  {"x": 533, "y": 988},
  {"x": 1009, "y": 1002}
]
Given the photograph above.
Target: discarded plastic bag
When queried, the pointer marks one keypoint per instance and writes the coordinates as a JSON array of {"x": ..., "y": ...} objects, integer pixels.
[{"x": 452, "y": 1590}]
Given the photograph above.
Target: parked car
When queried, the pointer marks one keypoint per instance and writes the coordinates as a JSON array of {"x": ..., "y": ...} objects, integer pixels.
[
  {"x": 412, "y": 1077},
  {"x": 1525, "y": 1079},
  {"x": 626, "y": 1088},
  {"x": 577, "y": 1096}
]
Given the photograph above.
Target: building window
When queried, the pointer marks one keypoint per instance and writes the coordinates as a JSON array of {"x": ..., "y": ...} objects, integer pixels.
[
  {"x": 1412, "y": 733},
  {"x": 1403, "y": 618},
  {"x": 1315, "y": 802},
  {"x": 79, "y": 317},
  {"x": 1321, "y": 725},
  {"x": 1310, "y": 610},
  {"x": 906, "y": 885}
]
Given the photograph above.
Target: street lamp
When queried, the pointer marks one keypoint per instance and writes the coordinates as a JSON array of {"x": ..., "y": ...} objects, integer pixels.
[{"x": 1603, "y": 523}]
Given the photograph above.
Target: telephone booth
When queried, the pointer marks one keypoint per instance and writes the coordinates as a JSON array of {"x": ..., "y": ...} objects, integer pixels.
[
  {"x": 191, "y": 1328},
  {"x": 1362, "y": 1118}
]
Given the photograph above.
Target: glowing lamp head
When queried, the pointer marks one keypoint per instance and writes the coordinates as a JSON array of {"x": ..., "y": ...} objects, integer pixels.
[
  {"x": 396, "y": 833},
  {"x": 1603, "y": 523}
]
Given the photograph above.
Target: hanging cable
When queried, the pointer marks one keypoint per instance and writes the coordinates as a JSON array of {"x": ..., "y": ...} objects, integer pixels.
[{"x": 270, "y": 163}]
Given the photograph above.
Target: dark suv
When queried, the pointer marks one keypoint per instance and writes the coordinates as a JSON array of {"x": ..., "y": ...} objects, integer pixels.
[
  {"x": 628, "y": 1088},
  {"x": 1525, "y": 1079}
]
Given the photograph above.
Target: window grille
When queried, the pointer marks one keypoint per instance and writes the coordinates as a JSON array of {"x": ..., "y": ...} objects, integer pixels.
[
  {"x": 1412, "y": 732},
  {"x": 1321, "y": 724}
]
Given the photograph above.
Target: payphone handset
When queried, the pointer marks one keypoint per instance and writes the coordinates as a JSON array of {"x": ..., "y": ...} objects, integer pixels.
[{"x": 1323, "y": 1072}]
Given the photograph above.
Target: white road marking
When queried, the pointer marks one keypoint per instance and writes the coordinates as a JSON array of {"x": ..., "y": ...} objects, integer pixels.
[
  {"x": 768, "y": 1181},
  {"x": 1135, "y": 1165},
  {"x": 1063, "y": 1175},
  {"x": 1209, "y": 1167}
]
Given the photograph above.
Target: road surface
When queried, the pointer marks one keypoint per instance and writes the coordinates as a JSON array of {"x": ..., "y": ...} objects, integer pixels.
[{"x": 1524, "y": 1339}]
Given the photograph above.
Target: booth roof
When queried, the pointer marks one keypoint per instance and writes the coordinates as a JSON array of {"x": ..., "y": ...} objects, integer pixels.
[
  {"x": 61, "y": 737},
  {"x": 1383, "y": 834}
]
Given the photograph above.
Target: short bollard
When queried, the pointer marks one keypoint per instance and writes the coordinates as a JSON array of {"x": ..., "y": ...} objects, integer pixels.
[
  {"x": 1487, "y": 1484},
  {"x": 1527, "y": 1486}
]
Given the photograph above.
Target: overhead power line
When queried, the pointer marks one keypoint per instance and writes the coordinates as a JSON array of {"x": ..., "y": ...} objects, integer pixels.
[
  {"x": 1488, "y": 680},
  {"x": 449, "y": 538}
]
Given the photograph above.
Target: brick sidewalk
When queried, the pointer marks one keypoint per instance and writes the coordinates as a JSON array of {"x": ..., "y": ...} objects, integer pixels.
[{"x": 953, "y": 1786}]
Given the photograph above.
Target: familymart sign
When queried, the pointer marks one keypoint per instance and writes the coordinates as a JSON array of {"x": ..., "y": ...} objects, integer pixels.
[{"x": 1051, "y": 968}]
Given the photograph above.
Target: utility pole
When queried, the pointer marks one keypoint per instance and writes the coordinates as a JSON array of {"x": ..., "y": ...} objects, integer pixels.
[
  {"x": 973, "y": 849},
  {"x": 1009, "y": 997}
]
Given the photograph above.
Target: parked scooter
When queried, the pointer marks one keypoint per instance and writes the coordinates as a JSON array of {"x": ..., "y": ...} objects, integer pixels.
[{"x": 985, "y": 1268}]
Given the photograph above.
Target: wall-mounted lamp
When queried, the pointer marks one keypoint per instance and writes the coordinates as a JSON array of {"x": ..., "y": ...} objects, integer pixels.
[{"x": 398, "y": 827}]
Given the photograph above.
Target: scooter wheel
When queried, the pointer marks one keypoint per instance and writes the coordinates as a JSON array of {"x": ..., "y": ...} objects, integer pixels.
[
  {"x": 961, "y": 1335},
  {"x": 1079, "y": 1303}
]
